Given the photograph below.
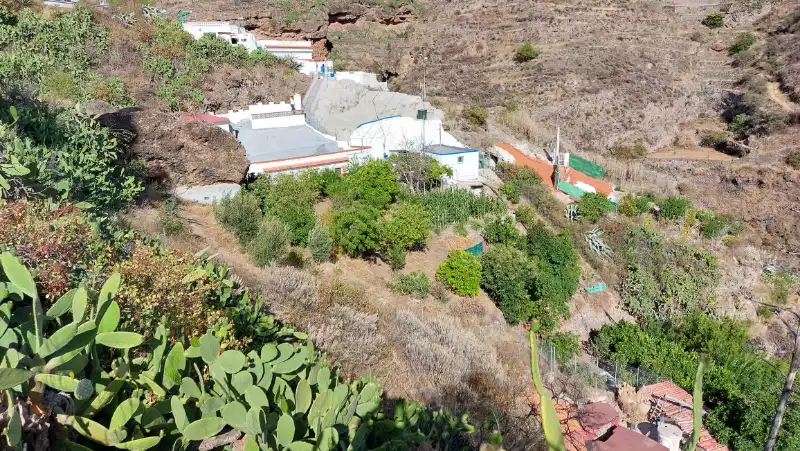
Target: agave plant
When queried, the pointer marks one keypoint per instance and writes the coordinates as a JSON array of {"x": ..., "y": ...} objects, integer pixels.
[
  {"x": 572, "y": 213},
  {"x": 594, "y": 238}
]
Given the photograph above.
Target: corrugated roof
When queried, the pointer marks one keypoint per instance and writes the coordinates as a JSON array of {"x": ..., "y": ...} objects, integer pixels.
[
  {"x": 624, "y": 439},
  {"x": 267, "y": 144},
  {"x": 676, "y": 405}
]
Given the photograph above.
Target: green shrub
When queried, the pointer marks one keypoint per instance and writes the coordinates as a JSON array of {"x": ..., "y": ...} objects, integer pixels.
[
  {"x": 673, "y": 207},
  {"x": 739, "y": 123},
  {"x": 461, "y": 272},
  {"x": 645, "y": 203},
  {"x": 627, "y": 206},
  {"x": 396, "y": 257},
  {"x": 112, "y": 91},
  {"x": 415, "y": 283},
  {"x": 476, "y": 116},
  {"x": 501, "y": 231},
  {"x": 526, "y": 52},
  {"x": 714, "y": 20},
  {"x": 407, "y": 226},
  {"x": 168, "y": 218},
  {"x": 593, "y": 206},
  {"x": 373, "y": 183},
  {"x": 793, "y": 159},
  {"x": 567, "y": 346},
  {"x": 290, "y": 198},
  {"x": 505, "y": 276},
  {"x": 713, "y": 225},
  {"x": 320, "y": 243},
  {"x": 629, "y": 152},
  {"x": 241, "y": 215},
  {"x": 355, "y": 229},
  {"x": 61, "y": 85},
  {"x": 781, "y": 285},
  {"x": 420, "y": 172},
  {"x": 556, "y": 276},
  {"x": 743, "y": 42},
  {"x": 525, "y": 215},
  {"x": 511, "y": 192},
  {"x": 664, "y": 278},
  {"x": 271, "y": 243},
  {"x": 713, "y": 139}
]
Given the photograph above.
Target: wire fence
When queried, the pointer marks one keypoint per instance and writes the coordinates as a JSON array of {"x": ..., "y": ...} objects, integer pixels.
[{"x": 592, "y": 372}]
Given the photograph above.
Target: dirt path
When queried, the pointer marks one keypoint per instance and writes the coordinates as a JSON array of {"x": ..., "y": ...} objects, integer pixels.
[
  {"x": 695, "y": 153},
  {"x": 774, "y": 92}
]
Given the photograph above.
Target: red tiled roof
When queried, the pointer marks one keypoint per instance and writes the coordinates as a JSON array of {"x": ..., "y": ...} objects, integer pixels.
[
  {"x": 542, "y": 168},
  {"x": 624, "y": 439},
  {"x": 210, "y": 118},
  {"x": 676, "y": 404}
]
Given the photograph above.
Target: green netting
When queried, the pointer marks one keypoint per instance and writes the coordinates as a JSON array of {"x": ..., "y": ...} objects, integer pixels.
[
  {"x": 572, "y": 190},
  {"x": 476, "y": 250},
  {"x": 585, "y": 166}
]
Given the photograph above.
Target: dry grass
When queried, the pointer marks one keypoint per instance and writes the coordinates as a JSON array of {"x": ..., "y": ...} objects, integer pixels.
[{"x": 351, "y": 338}]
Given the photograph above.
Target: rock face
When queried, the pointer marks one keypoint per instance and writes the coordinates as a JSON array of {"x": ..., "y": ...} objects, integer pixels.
[{"x": 179, "y": 153}]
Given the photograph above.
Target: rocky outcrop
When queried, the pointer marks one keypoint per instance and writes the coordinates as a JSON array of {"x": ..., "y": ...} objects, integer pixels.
[{"x": 178, "y": 153}]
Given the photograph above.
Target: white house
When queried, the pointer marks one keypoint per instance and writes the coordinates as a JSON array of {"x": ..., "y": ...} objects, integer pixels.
[
  {"x": 234, "y": 34},
  {"x": 277, "y": 139},
  {"x": 404, "y": 134}
]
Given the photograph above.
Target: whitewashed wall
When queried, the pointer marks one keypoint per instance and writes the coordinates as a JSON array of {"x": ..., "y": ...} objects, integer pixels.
[
  {"x": 396, "y": 133},
  {"x": 465, "y": 171}
]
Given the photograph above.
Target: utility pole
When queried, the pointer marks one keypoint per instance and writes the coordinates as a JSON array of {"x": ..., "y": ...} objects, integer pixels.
[
  {"x": 788, "y": 386},
  {"x": 425, "y": 114}
]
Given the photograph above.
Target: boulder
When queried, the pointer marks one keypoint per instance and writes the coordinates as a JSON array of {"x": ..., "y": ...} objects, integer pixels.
[{"x": 179, "y": 153}]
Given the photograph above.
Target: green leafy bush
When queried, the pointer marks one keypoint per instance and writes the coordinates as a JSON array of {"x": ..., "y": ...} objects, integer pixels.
[
  {"x": 714, "y": 20},
  {"x": 320, "y": 243},
  {"x": 673, "y": 207},
  {"x": 69, "y": 153},
  {"x": 241, "y": 215},
  {"x": 396, "y": 257},
  {"x": 355, "y": 229},
  {"x": 556, "y": 276},
  {"x": 407, "y": 226},
  {"x": 739, "y": 123},
  {"x": 290, "y": 198},
  {"x": 793, "y": 159},
  {"x": 415, "y": 283},
  {"x": 476, "y": 116},
  {"x": 461, "y": 272},
  {"x": 665, "y": 278},
  {"x": 373, "y": 183},
  {"x": 526, "y": 52},
  {"x": 169, "y": 219},
  {"x": 506, "y": 274},
  {"x": 511, "y": 192},
  {"x": 713, "y": 225},
  {"x": 567, "y": 346},
  {"x": 593, "y": 206},
  {"x": 418, "y": 171},
  {"x": 501, "y": 231},
  {"x": 61, "y": 85},
  {"x": 533, "y": 190},
  {"x": 713, "y": 140},
  {"x": 270, "y": 243},
  {"x": 743, "y": 42},
  {"x": 628, "y": 207},
  {"x": 525, "y": 215}
]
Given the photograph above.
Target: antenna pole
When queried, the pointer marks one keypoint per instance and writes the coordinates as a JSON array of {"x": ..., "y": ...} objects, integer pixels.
[{"x": 425, "y": 115}]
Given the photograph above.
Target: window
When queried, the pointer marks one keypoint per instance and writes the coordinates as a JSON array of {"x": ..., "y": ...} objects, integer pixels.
[{"x": 460, "y": 160}]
